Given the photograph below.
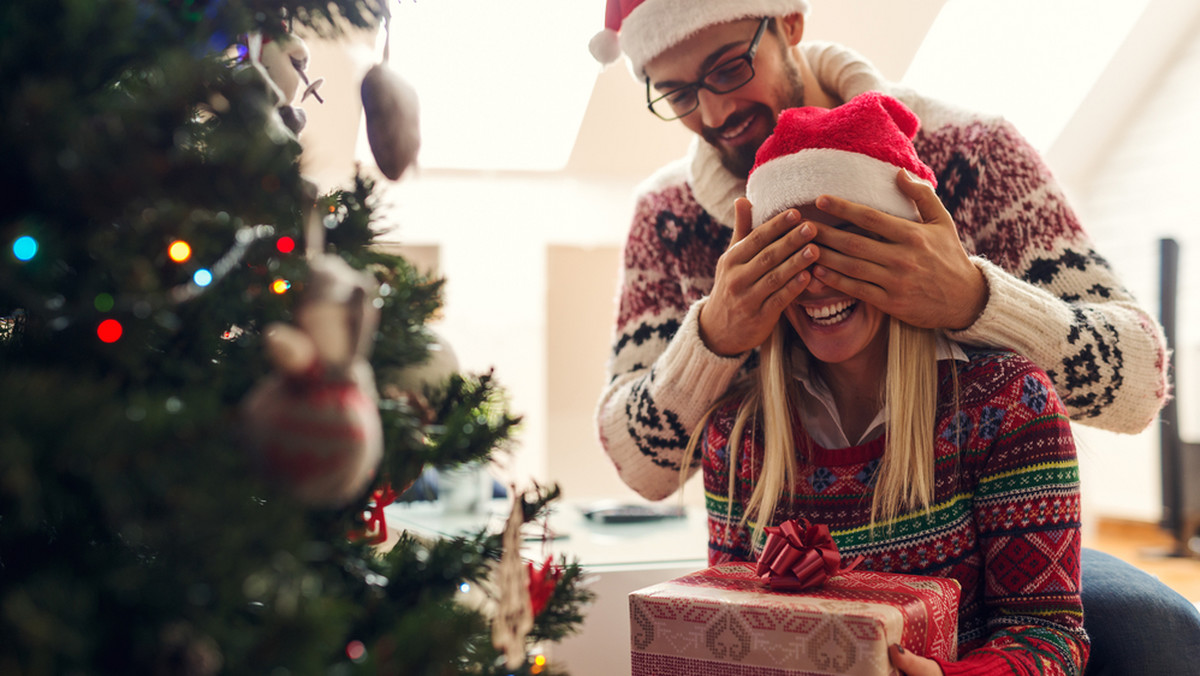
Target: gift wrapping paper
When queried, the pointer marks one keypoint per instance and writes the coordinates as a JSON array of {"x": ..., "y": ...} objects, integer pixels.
[{"x": 725, "y": 621}]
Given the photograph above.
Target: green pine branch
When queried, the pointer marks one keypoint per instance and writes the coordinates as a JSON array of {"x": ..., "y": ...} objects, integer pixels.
[{"x": 138, "y": 534}]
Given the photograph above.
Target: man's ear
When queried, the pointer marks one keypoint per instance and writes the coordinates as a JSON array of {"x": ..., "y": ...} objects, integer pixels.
[{"x": 791, "y": 28}]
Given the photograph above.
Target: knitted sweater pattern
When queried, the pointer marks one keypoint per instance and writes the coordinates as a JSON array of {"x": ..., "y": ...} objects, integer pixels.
[
  {"x": 1105, "y": 355},
  {"x": 1004, "y": 521}
]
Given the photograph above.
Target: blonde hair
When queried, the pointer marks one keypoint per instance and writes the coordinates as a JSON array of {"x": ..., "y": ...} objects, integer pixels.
[{"x": 905, "y": 479}]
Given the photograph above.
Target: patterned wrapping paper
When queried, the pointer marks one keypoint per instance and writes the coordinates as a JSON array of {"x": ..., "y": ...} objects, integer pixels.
[{"x": 724, "y": 621}]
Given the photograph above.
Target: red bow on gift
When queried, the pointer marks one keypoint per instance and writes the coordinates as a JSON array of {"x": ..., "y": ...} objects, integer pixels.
[{"x": 799, "y": 555}]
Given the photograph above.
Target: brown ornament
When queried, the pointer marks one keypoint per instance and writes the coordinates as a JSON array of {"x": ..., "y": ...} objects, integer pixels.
[{"x": 393, "y": 131}]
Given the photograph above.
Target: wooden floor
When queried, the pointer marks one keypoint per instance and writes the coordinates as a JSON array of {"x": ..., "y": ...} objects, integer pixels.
[{"x": 1141, "y": 544}]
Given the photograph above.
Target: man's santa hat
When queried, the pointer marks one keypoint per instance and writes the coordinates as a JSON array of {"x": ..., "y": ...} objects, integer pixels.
[
  {"x": 853, "y": 151},
  {"x": 643, "y": 29}
]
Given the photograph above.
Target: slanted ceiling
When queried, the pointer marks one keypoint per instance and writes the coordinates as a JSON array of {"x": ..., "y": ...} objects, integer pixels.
[{"x": 514, "y": 89}]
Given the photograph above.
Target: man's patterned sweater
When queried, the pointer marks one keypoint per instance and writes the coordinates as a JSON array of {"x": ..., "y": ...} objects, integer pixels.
[{"x": 1052, "y": 298}]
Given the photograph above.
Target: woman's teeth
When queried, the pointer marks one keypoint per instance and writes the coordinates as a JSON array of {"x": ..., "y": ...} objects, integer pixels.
[{"x": 830, "y": 314}]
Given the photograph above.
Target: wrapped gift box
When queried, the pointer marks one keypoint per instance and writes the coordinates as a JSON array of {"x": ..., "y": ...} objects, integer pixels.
[{"x": 724, "y": 621}]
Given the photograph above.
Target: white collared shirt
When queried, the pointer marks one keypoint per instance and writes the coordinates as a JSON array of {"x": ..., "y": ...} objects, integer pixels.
[{"x": 818, "y": 411}]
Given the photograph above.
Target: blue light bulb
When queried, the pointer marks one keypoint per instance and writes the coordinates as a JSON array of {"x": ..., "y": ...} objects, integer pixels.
[{"x": 25, "y": 248}]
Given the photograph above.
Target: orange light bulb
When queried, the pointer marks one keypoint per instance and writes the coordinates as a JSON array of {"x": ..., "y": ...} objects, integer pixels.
[{"x": 179, "y": 251}]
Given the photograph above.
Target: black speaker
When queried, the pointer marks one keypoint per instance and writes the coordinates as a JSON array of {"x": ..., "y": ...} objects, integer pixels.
[{"x": 1180, "y": 459}]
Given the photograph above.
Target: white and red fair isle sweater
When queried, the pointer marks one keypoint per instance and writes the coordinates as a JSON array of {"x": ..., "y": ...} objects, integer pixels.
[
  {"x": 1004, "y": 520},
  {"x": 1052, "y": 298}
]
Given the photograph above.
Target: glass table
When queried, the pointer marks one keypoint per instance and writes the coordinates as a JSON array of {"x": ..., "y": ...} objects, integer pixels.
[{"x": 618, "y": 558}]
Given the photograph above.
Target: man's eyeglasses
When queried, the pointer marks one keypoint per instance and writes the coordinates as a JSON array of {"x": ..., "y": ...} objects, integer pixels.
[{"x": 721, "y": 79}]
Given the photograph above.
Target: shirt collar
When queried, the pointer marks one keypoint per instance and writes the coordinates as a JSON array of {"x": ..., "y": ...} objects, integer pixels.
[{"x": 819, "y": 414}]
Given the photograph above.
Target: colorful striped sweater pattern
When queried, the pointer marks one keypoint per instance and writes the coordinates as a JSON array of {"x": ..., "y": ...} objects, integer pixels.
[{"x": 1004, "y": 523}]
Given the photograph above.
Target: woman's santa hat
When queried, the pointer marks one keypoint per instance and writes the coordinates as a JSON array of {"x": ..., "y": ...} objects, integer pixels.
[
  {"x": 852, "y": 151},
  {"x": 643, "y": 29}
]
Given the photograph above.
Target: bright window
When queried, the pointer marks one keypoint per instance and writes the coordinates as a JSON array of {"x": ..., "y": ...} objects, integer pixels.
[
  {"x": 502, "y": 85},
  {"x": 1032, "y": 61}
]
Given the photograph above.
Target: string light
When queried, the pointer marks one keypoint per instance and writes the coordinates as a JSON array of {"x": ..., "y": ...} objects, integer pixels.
[
  {"x": 285, "y": 244},
  {"x": 280, "y": 286},
  {"x": 464, "y": 587},
  {"x": 109, "y": 331},
  {"x": 103, "y": 302},
  {"x": 179, "y": 251},
  {"x": 205, "y": 276},
  {"x": 356, "y": 651},
  {"x": 25, "y": 248}
]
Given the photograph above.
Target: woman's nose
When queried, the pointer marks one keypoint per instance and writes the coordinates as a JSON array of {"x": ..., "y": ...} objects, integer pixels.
[{"x": 815, "y": 286}]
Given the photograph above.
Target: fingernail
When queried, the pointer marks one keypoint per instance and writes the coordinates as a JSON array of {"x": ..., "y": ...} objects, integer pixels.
[
  {"x": 802, "y": 277},
  {"x": 819, "y": 271},
  {"x": 909, "y": 175},
  {"x": 822, "y": 202},
  {"x": 899, "y": 648},
  {"x": 809, "y": 253},
  {"x": 806, "y": 230},
  {"x": 793, "y": 216}
]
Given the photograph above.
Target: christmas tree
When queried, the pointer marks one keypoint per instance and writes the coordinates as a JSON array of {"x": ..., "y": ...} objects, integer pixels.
[{"x": 200, "y": 417}]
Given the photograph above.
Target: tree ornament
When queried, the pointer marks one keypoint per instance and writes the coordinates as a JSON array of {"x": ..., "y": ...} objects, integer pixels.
[
  {"x": 283, "y": 62},
  {"x": 514, "y": 610},
  {"x": 285, "y": 59},
  {"x": 542, "y": 581},
  {"x": 375, "y": 530},
  {"x": 314, "y": 424},
  {"x": 392, "y": 117}
]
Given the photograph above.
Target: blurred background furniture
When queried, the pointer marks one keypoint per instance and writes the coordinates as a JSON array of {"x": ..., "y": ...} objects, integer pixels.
[
  {"x": 617, "y": 558},
  {"x": 1180, "y": 459}
]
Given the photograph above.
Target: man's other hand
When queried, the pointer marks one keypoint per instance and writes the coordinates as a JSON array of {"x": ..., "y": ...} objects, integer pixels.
[
  {"x": 759, "y": 275},
  {"x": 916, "y": 272}
]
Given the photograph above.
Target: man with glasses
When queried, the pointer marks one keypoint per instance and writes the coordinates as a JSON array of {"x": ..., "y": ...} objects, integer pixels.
[{"x": 1000, "y": 260}]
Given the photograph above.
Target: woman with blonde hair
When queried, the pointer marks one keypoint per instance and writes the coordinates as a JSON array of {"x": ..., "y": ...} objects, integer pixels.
[{"x": 923, "y": 456}]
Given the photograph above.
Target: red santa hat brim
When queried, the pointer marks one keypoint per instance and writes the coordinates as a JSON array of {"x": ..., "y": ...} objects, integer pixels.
[
  {"x": 853, "y": 151},
  {"x": 651, "y": 27},
  {"x": 800, "y": 178}
]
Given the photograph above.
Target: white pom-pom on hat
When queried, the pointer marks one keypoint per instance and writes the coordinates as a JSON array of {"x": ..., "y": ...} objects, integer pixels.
[{"x": 605, "y": 46}]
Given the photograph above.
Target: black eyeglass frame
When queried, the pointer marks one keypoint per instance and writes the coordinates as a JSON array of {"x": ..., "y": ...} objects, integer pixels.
[{"x": 747, "y": 56}]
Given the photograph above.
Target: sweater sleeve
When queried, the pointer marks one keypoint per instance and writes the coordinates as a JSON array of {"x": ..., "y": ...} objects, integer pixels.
[
  {"x": 1026, "y": 508},
  {"x": 662, "y": 378},
  {"x": 1104, "y": 353}
]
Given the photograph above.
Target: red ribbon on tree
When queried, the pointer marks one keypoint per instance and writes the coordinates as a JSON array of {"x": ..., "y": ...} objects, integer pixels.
[
  {"x": 542, "y": 582},
  {"x": 799, "y": 555},
  {"x": 375, "y": 521}
]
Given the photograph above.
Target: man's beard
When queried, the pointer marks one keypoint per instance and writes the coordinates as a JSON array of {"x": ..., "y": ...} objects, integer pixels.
[{"x": 739, "y": 160}]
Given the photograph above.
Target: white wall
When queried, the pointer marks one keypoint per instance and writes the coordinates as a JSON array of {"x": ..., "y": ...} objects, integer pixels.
[
  {"x": 1143, "y": 187},
  {"x": 493, "y": 232}
]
